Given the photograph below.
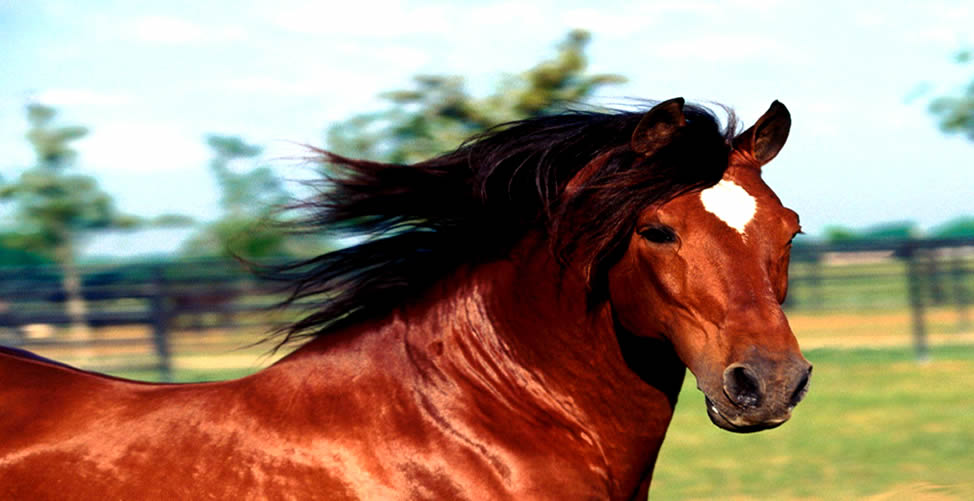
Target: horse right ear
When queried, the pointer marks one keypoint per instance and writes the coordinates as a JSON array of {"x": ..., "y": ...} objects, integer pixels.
[
  {"x": 658, "y": 126},
  {"x": 764, "y": 139}
]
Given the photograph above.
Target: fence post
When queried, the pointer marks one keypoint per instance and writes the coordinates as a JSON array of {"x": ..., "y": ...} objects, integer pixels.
[
  {"x": 934, "y": 279},
  {"x": 160, "y": 322},
  {"x": 962, "y": 298},
  {"x": 817, "y": 296},
  {"x": 914, "y": 279}
]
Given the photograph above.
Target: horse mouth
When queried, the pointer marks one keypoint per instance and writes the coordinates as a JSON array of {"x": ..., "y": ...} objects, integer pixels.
[{"x": 737, "y": 424}]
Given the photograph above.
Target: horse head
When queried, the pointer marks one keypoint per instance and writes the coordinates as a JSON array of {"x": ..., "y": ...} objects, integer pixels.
[{"x": 707, "y": 271}]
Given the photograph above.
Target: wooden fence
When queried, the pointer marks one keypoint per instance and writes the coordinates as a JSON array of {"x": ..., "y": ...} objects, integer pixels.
[
  {"x": 886, "y": 275},
  {"x": 204, "y": 296},
  {"x": 159, "y": 297}
]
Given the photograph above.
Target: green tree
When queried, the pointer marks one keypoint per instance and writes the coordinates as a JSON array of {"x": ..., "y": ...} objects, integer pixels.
[
  {"x": 898, "y": 230},
  {"x": 840, "y": 234},
  {"x": 956, "y": 113},
  {"x": 12, "y": 254},
  {"x": 171, "y": 221},
  {"x": 249, "y": 225},
  {"x": 959, "y": 227},
  {"x": 438, "y": 114},
  {"x": 54, "y": 207}
]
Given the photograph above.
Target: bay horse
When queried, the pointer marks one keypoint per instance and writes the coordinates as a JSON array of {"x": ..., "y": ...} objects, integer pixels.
[{"x": 516, "y": 325}]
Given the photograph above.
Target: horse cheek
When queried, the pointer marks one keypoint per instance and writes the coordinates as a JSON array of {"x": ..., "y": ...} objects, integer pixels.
[{"x": 641, "y": 298}]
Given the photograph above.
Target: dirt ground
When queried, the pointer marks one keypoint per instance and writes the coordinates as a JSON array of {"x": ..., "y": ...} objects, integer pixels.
[{"x": 882, "y": 329}]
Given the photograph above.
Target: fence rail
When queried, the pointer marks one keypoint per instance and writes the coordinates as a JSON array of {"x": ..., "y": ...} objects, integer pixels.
[
  {"x": 161, "y": 297},
  {"x": 863, "y": 276},
  {"x": 181, "y": 296}
]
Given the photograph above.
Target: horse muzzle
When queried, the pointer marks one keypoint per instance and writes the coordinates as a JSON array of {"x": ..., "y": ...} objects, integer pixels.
[{"x": 752, "y": 398}]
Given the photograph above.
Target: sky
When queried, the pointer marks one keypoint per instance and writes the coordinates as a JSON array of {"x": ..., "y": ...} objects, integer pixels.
[{"x": 152, "y": 79}]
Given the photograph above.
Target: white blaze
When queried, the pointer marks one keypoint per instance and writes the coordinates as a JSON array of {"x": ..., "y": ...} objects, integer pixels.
[{"x": 730, "y": 203}]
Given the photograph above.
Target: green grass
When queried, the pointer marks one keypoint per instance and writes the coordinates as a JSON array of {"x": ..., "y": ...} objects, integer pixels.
[{"x": 875, "y": 423}]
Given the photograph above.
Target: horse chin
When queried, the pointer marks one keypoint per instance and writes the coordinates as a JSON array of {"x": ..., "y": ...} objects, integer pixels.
[{"x": 736, "y": 425}]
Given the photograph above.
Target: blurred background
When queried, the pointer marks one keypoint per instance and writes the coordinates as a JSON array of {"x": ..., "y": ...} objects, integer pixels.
[{"x": 144, "y": 147}]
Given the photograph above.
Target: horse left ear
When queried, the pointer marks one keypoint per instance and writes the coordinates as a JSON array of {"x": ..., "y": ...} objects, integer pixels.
[
  {"x": 765, "y": 138},
  {"x": 658, "y": 126}
]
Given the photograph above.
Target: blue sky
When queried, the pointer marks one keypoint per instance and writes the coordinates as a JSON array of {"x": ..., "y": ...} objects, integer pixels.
[{"x": 152, "y": 78}]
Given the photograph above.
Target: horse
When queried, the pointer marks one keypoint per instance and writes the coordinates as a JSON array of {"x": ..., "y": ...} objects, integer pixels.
[{"x": 515, "y": 322}]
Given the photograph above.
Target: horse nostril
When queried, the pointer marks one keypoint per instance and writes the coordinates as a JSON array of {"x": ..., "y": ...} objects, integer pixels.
[
  {"x": 802, "y": 388},
  {"x": 742, "y": 386}
]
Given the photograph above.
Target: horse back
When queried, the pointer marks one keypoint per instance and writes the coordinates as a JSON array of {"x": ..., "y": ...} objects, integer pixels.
[
  {"x": 65, "y": 430},
  {"x": 23, "y": 371},
  {"x": 7, "y": 352},
  {"x": 33, "y": 387}
]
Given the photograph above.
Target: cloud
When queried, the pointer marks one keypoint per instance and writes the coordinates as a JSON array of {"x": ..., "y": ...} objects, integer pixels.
[
  {"x": 169, "y": 30},
  {"x": 725, "y": 48},
  {"x": 81, "y": 97},
  {"x": 611, "y": 23},
  {"x": 142, "y": 146},
  {"x": 748, "y": 4},
  {"x": 348, "y": 69},
  {"x": 385, "y": 18},
  {"x": 325, "y": 84},
  {"x": 265, "y": 85}
]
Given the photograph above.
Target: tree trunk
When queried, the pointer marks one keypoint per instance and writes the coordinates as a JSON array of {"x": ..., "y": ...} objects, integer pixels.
[{"x": 74, "y": 304}]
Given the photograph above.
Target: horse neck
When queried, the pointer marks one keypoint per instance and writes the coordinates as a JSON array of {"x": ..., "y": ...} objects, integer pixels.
[
  {"x": 519, "y": 330},
  {"x": 534, "y": 316}
]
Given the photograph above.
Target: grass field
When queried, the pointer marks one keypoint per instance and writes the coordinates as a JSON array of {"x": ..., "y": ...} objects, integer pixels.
[{"x": 876, "y": 425}]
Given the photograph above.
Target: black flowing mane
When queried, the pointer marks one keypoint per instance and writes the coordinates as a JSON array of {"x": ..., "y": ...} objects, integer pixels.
[{"x": 422, "y": 221}]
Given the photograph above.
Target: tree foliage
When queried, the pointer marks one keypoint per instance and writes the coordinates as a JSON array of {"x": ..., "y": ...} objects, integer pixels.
[
  {"x": 439, "y": 113},
  {"x": 13, "y": 254},
  {"x": 247, "y": 192},
  {"x": 900, "y": 230},
  {"x": 959, "y": 227},
  {"x": 249, "y": 225},
  {"x": 956, "y": 113},
  {"x": 171, "y": 220},
  {"x": 53, "y": 206}
]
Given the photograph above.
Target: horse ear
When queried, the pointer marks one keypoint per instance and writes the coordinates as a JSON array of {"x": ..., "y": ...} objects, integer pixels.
[
  {"x": 658, "y": 126},
  {"x": 765, "y": 138}
]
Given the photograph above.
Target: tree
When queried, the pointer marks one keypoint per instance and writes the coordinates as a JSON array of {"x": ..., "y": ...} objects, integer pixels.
[
  {"x": 956, "y": 113},
  {"x": 171, "y": 221},
  {"x": 12, "y": 254},
  {"x": 439, "y": 114},
  {"x": 249, "y": 225},
  {"x": 959, "y": 227},
  {"x": 898, "y": 230},
  {"x": 55, "y": 207}
]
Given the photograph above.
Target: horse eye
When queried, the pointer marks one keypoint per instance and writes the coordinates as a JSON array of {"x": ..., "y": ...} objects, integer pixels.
[{"x": 659, "y": 234}]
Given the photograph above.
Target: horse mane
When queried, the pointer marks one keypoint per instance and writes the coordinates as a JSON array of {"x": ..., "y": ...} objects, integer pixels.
[{"x": 419, "y": 222}]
